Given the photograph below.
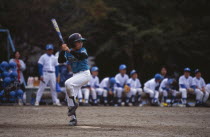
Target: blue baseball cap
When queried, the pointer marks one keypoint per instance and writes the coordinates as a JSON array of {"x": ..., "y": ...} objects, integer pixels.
[
  {"x": 133, "y": 72},
  {"x": 112, "y": 80},
  {"x": 197, "y": 70},
  {"x": 94, "y": 69},
  {"x": 122, "y": 66},
  {"x": 187, "y": 69},
  {"x": 158, "y": 76},
  {"x": 49, "y": 47}
]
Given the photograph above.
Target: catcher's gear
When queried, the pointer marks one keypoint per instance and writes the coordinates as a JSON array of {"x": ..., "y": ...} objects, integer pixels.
[{"x": 127, "y": 88}]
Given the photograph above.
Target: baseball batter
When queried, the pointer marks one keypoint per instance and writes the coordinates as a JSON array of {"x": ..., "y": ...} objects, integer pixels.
[
  {"x": 121, "y": 80},
  {"x": 48, "y": 71},
  {"x": 199, "y": 84},
  {"x": 135, "y": 88},
  {"x": 151, "y": 87},
  {"x": 77, "y": 58}
]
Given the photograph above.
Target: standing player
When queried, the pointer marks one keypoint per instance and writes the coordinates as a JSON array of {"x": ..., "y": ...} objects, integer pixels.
[
  {"x": 199, "y": 84},
  {"x": 135, "y": 88},
  {"x": 109, "y": 89},
  {"x": 77, "y": 58},
  {"x": 151, "y": 87},
  {"x": 48, "y": 71},
  {"x": 121, "y": 80},
  {"x": 185, "y": 85}
]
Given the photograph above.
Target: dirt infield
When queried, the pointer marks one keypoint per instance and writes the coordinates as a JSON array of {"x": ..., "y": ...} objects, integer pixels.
[{"x": 104, "y": 121}]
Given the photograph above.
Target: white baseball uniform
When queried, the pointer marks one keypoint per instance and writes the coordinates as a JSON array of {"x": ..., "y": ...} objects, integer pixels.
[
  {"x": 135, "y": 87},
  {"x": 184, "y": 84},
  {"x": 199, "y": 83},
  {"x": 121, "y": 80},
  {"x": 105, "y": 87},
  {"x": 49, "y": 62},
  {"x": 91, "y": 88},
  {"x": 150, "y": 87}
]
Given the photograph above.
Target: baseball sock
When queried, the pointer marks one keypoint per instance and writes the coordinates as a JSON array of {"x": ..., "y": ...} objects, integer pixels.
[{"x": 71, "y": 101}]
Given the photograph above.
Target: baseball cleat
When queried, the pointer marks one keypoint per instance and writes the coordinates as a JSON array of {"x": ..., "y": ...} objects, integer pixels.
[
  {"x": 57, "y": 104},
  {"x": 73, "y": 122},
  {"x": 36, "y": 104},
  {"x": 72, "y": 109}
]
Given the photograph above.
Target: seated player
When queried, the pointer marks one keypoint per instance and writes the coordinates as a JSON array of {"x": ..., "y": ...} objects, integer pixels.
[
  {"x": 199, "y": 84},
  {"x": 84, "y": 92},
  {"x": 91, "y": 88},
  {"x": 151, "y": 87},
  {"x": 96, "y": 92},
  {"x": 134, "y": 88},
  {"x": 207, "y": 88},
  {"x": 109, "y": 89},
  {"x": 168, "y": 85},
  {"x": 121, "y": 80},
  {"x": 185, "y": 86}
]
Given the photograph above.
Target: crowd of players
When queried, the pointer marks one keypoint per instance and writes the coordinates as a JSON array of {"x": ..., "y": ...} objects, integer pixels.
[
  {"x": 119, "y": 90},
  {"x": 127, "y": 90}
]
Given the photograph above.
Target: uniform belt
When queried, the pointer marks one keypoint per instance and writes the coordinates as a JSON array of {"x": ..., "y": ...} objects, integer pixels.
[
  {"x": 79, "y": 71},
  {"x": 50, "y": 71}
]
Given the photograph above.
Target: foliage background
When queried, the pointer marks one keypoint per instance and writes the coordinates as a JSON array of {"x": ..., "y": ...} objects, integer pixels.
[{"x": 144, "y": 34}]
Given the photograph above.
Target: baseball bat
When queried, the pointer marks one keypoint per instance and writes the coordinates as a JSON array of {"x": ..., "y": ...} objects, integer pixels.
[{"x": 55, "y": 25}]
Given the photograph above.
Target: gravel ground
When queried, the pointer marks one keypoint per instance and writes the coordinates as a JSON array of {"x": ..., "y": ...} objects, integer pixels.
[{"x": 29, "y": 121}]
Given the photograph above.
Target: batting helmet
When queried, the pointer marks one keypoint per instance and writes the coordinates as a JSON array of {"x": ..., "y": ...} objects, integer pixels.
[
  {"x": 4, "y": 66},
  {"x": 122, "y": 66},
  {"x": 13, "y": 75},
  {"x": 7, "y": 81},
  {"x": 12, "y": 93},
  {"x": 12, "y": 65},
  {"x": 94, "y": 69},
  {"x": 5, "y": 74},
  {"x": 74, "y": 38},
  {"x": 49, "y": 47},
  {"x": 187, "y": 69},
  {"x": 158, "y": 76}
]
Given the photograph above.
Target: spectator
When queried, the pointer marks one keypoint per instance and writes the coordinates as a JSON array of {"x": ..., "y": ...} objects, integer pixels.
[{"x": 20, "y": 67}]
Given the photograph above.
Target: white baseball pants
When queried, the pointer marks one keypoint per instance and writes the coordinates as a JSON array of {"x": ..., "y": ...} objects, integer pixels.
[{"x": 49, "y": 78}]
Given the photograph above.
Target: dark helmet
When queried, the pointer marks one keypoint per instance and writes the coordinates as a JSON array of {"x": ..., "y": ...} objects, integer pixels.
[{"x": 74, "y": 38}]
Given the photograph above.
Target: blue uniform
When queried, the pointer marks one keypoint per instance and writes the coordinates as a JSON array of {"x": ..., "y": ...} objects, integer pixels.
[{"x": 76, "y": 64}]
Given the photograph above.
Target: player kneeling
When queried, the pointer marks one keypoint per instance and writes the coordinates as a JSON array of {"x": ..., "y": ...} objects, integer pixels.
[
  {"x": 133, "y": 87},
  {"x": 151, "y": 87},
  {"x": 109, "y": 89},
  {"x": 201, "y": 94},
  {"x": 168, "y": 86},
  {"x": 77, "y": 58}
]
